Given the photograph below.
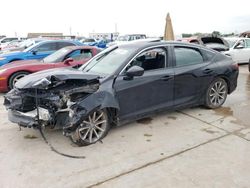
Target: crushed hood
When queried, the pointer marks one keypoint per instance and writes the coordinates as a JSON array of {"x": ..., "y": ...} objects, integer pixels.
[{"x": 59, "y": 74}]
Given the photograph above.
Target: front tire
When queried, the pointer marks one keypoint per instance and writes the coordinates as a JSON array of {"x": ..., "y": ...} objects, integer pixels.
[
  {"x": 92, "y": 129},
  {"x": 216, "y": 94},
  {"x": 15, "y": 77}
]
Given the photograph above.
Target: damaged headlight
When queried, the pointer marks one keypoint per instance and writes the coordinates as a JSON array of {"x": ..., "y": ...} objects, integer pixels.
[
  {"x": 42, "y": 83},
  {"x": 43, "y": 114}
]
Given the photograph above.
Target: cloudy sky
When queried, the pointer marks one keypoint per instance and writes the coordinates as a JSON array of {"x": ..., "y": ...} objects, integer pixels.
[{"x": 130, "y": 16}]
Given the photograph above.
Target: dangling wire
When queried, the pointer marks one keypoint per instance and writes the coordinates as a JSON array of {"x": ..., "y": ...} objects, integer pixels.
[{"x": 45, "y": 139}]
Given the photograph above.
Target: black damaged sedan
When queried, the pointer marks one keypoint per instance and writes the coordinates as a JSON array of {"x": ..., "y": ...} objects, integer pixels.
[{"x": 121, "y": 84}]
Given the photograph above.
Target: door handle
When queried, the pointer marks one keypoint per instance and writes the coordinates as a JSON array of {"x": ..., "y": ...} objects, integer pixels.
[
  {"x": 166, "y": 78},
  {"x": 207, "y": 71}
]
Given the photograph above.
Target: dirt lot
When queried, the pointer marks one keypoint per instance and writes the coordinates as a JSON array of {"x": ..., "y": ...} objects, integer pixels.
[{"x": 189, "y": 148}]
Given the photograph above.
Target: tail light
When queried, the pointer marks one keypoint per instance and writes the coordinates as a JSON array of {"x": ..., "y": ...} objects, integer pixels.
[{"x": 235, "y": 66}]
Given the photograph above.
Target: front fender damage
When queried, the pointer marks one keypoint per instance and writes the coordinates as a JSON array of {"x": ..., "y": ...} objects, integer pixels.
[
  {"x": 79, "y": 110},
  {"x": 61, "y": 106}
]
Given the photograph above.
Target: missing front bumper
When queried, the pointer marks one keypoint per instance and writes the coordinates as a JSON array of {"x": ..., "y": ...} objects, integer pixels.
[{"x": 29, "y": 119}]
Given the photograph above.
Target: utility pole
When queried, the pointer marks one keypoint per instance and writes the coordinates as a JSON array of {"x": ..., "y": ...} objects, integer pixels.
[
  {"x": 116, "y": 27},
  {"x": 70, "y": 31}
]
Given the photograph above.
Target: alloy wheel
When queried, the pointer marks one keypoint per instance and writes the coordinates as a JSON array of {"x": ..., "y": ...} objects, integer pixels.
[
  {"x": 93, "y": 127},
  {"x": 218, "y": 93}
]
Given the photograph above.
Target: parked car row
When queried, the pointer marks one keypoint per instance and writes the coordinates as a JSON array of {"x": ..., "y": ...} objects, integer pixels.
[
  {"x": 7, "y": 42},
  {"x": 71, "y": 56},
  {"x": 37, "y": 51},
  {"x": 34, "y": 55}
]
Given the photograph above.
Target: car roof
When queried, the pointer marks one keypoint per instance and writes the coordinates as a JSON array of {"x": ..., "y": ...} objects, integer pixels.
[
  {"x": 140, "y": 45},
  {"x": 80, "y": 47},
  {"x": 235, "y": 38}
]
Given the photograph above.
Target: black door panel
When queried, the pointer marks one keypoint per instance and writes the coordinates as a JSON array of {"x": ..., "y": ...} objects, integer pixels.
[{"x": 152, "y": 91}]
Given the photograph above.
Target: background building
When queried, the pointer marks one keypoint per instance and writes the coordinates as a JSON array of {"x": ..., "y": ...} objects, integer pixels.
[
  {"x": 36, "y": 35},
  {"x": 107, "y": 36}
]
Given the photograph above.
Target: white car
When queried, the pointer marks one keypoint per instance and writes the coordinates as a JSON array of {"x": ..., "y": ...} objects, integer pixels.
[
  {"x": 126, "y": 38},
  {"x": 239, "y": 49}
]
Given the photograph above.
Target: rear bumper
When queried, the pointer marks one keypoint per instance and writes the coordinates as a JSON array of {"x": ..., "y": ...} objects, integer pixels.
[{"x": 233, "y": 82}]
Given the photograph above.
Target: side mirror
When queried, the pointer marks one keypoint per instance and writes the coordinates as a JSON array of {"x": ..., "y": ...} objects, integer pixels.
[
  {"x": 34, "y": 52},
  {"x": 68, "y": 61},
  {"x": 134, "y": 71}
]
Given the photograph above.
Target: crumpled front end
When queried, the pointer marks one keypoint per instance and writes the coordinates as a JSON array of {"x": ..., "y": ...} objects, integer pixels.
[{"x": 54, "y": 106}]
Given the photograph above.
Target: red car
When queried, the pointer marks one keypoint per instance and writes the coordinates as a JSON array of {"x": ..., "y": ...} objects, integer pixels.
[{"x": 68, "y": 56}]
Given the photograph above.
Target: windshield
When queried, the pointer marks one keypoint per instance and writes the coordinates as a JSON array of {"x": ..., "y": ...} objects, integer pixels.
[
  {"x": 89, "y": 40},
  {"x": 108, "y": 61},
  {"x": 30, "y": 44},
  {"x": 57, "y": 56},
  {"x": 231, "y": 42}
]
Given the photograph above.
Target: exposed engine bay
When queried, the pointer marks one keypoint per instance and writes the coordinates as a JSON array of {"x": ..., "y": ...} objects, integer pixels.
[{"x": 51, "y": 102}]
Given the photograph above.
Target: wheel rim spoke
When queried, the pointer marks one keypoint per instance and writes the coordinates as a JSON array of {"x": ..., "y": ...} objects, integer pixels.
[
  {"x": 94, "y": 116},
  {"x": 98, "y": 117},
  {"x": 100, "y": 122},
  {"x": 213, "y": 90},
  {"x": 83, "y": 128},
  {"x": 222, "y": 88},
  {"x": 99, "y": 128},
  {"x": 221, "y": 96},
  {"x": 90, "y": 120},
  {"x": 90, "y": 135},
  {"x": 213, "y": 99},
  {"x": 85, "y": 135},
  {"x": 96, "y": 133}
]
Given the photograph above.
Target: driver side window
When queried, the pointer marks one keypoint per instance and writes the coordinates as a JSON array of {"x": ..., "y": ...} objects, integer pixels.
[
  {"x": 150, "y": 60},
  {"x": 78, "y": 55}
]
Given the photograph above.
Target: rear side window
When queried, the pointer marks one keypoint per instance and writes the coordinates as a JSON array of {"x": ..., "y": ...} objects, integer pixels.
[
  {"x": 187, "y": 56},
  {"x": 63, "y": 44},
  {"x": 208, "y": 54}
]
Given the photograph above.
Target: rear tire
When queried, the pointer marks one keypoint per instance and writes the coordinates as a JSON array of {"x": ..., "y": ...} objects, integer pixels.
[
  {"x": 92, "y": 129},
  {"x": 216, "y": 94},
  {"x": 15, "y": 77}
]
